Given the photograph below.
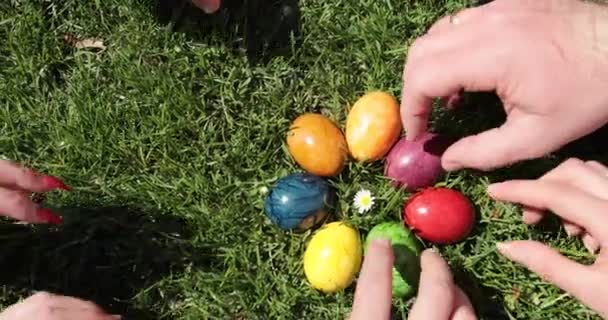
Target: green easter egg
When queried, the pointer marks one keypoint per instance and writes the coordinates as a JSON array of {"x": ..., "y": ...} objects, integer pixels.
[{"x": 407, "y": 249}]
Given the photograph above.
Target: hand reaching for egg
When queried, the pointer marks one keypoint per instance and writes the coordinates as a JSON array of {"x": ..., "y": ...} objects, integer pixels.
[{"x": 549, "y": 66}]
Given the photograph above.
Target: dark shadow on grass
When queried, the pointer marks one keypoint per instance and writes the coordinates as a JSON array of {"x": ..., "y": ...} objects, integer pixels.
[
  {"x": 478, "y": 112},
  {"x": 485, "y": 300},
  {"x": 264, "y": 29},
  {"x": 106, "y": 255}
]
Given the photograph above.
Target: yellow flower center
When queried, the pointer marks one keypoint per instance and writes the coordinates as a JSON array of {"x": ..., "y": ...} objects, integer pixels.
[{"x": 365, "y": 201}]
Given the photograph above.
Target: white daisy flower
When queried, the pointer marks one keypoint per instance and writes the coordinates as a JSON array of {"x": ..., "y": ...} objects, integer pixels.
[
  {"x": 264, "y": 190},
  {"x": 364, "y": 200}
]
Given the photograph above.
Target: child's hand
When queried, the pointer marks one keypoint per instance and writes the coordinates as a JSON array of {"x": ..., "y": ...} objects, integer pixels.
[
  {"x": 546, "y": 60},
  {"x": 16, "y": 184},
  {"x": 578, "y": 193}
]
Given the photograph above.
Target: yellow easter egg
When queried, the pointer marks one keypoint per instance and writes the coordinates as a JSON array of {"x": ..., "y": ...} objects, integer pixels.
[
  {"x": 373, "y": 126},
  {"x": 333, "y": 257}
]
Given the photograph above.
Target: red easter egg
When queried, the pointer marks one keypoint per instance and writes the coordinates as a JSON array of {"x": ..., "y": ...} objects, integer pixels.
[{"x": 440, "y": 215}]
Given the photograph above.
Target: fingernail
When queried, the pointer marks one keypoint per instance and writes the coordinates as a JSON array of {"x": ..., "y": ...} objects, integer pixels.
[
  {"x": 385, "y": 243},
  {"x": 492, "y": 188},
  {"x": 450, "y": 164},
  {"x": 569, "y": 231},
  {"x": 55, "y": 183},
  {"x": 48, "y": 216},
  {"x": 590, "y": 244},
  {"x": 503, "y": 248}
]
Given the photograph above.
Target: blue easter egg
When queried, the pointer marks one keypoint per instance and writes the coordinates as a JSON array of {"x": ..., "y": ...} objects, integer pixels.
[{"x": 299, "y": 201}]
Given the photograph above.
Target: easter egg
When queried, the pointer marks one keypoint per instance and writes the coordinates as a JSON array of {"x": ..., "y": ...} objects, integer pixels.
[
  {"x": 416, "y": 164},
  {"x": 440, "y": 215},
  {"x": 333, "y": 257},
  {"x": 407, "y": 249},
  {"x": 299, "y": 201},
  {"x": 317, "y": 145},
  {"x": 373, "y": 126}
]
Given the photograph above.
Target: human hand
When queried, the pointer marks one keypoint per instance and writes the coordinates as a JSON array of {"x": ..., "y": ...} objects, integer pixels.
[
  {"x": 46, "y": 306},
  {"x": 16, "y": 183},
  {"x": 578, "y": 193},
  {"x": 209, "y": 6},
  {"x": 438, "y": 297},
  {"x": 547, "y": 61}
]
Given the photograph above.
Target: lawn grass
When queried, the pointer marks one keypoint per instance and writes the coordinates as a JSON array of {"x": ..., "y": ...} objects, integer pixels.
[{"x": 169, "y": 141}]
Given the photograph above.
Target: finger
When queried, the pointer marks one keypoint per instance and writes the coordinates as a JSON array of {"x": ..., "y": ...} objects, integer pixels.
[
  {"x": 17, "y": 205},
  {"x": 209, "y": 6},
  {"x": 373, "y": 296},
  {"x": 564, "y": 200},
  {"x": 17, "y": 177},
  {"x": 464, "y": 309},
  {"x": 576, "y": 279},
  {"x": 580, "y": 174},
  {"x": 435, "y": 75},
  {"x": 436, "y": 294},
  {"x": 496, "y": 147}
]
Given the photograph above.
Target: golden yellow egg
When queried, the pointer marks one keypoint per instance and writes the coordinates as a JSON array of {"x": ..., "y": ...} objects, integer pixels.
[
  {"x": 373, "y": 126},
  {"x": 317, "y": 145},
  {"x": 333, "y": 257}
]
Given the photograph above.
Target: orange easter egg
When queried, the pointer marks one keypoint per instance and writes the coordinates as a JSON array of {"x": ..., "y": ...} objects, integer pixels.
[
  {"x": 317, "y": 145},
  {"x": 373, "y": 126}
]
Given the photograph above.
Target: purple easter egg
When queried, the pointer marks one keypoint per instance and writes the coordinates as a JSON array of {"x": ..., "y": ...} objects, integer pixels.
[{"x": 413, "y": 165}]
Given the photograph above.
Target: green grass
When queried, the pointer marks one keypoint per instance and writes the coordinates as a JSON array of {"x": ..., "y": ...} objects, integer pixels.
[{"x": 167, "y": 142}]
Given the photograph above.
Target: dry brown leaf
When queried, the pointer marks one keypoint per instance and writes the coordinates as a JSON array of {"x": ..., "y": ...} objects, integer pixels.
[{"x": 84, "y": 43}]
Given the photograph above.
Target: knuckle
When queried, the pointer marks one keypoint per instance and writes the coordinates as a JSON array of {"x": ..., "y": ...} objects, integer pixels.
[{"x": 416, "y": 50}]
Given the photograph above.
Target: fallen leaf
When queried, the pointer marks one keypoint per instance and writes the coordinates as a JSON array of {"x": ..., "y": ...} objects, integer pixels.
[{"x": 84, "y": 43}]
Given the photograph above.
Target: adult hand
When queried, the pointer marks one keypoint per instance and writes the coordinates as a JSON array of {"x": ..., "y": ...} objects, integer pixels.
[
  {"x": 438, "y": 297},
  {"x": 209, "y": 6},
  {"x": 16, "y": 183},
  {"x": 46, "y": 306},
  {"x": 546, "y": 59},
  {"x": 578, "y": 193}
]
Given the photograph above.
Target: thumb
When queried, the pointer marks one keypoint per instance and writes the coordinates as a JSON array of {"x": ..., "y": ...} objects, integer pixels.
[
  {"x": 576, "y": 279},
  {"x": 520, "y": 138},
  {"x": 436, "y": 292},
  {"x": 209, "y": 6}
]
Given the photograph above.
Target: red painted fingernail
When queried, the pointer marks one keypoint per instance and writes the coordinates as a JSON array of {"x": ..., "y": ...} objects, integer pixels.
[
  {"x": 55, "y": 183},
  {"x": 48, "y": 216}
]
